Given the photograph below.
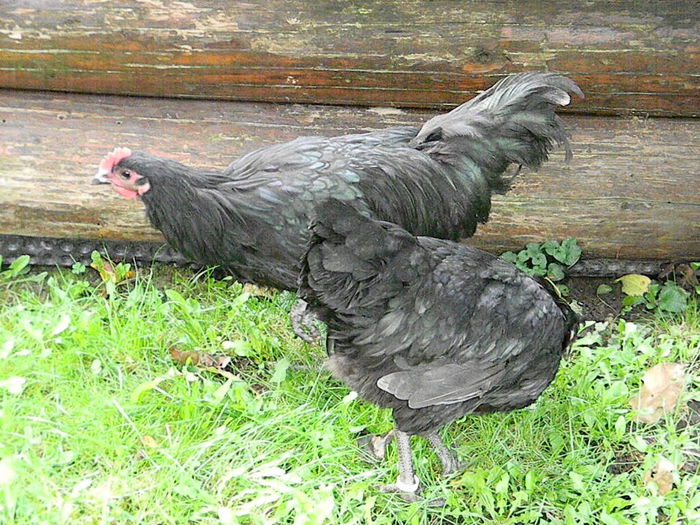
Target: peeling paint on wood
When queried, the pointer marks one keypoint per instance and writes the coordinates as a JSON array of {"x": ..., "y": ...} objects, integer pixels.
[
  {"x": 629, "y": 56},
  {"x": 630, "y": 191}
]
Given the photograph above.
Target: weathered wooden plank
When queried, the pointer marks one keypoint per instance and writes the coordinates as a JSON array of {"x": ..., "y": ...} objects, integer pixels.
[
  {"x": 629, "y": 56},
  {"x": 631, "y": 190}
]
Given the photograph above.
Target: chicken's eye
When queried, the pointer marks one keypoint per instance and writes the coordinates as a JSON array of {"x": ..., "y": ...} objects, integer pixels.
[{"x": 126, "y": 174}]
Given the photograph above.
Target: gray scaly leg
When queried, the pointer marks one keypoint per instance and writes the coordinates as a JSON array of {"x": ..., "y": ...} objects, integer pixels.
[
  {"x": 303, "y": 320},
  {"x": 407, "y": 483},
  {"x": 450, "y": 464}
]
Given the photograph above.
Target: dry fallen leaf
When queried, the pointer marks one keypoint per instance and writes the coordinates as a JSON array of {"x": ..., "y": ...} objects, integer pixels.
[
  {"x": 109, "y": 274},
  {"x": 105, "y": 269},
  {"x": 219, "y": 362},
  {"x": 258, "y": 291},
  {"x": 663, "y": 384},
  {"x": 663, "y": 474},
  {"x": 149, "y": 442},
  {"x": 634, "y": 284}
]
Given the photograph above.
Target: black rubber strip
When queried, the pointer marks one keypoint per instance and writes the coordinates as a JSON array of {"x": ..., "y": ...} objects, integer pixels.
[{"x": 64, "y": 252}]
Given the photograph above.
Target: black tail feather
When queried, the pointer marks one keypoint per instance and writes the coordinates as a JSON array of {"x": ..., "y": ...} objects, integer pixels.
[{"x": 512, "y": 122}]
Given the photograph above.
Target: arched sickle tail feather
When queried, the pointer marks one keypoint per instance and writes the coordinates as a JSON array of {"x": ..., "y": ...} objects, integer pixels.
[{"x": 512, "y": 122}]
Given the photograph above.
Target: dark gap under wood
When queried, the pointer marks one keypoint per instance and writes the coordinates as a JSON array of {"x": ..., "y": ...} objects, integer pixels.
[{"x": 66, "y": 252}]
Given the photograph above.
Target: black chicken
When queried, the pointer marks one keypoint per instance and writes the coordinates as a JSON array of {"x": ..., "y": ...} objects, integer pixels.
[
  {"x": 430, "y": 328},
  {"x": 252, "y": 218}
]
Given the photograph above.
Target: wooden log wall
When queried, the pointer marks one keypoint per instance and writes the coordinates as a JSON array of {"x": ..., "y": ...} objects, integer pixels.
[
  {"x": 631, "y": 190},
  {"x": 630, "y": 56}
]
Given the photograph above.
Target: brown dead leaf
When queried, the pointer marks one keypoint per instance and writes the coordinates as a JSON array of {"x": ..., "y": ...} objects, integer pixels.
[
  {"x": 663, "y": 384},
  {"x": 183, "y": 357},
  {"x": 218, "y": 362},
  {"x": 663, "y": 475}
]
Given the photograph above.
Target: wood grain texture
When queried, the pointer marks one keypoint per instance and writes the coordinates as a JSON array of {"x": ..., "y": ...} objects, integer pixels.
[
  {"x": 629, "y": 56},
  {"x": 630, "y": 192}
]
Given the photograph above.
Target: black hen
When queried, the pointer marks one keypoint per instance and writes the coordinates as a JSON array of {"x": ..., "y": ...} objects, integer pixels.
[
  {"x": 437, "y": 180},
  {"x": 429, "y": 328}
]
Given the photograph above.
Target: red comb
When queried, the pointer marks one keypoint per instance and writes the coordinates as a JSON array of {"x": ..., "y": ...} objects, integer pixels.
[{"x": 112, "y": 159}]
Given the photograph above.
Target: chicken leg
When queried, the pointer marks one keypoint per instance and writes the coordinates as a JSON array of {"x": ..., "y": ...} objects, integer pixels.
[
  {"x": 303, "y": 320},
  {"x": 450, "y": 464},
  {"x": 407, "y": 484},
  {"x": 376, "y": 447}
]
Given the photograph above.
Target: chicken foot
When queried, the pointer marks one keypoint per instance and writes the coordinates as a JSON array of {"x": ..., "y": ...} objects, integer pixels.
[
  {"x": 376, "y": 447},
  {"x": 450, "y": 464},
  {"x": 303, "y": 323},
  {"x": 407, "y": 484}
]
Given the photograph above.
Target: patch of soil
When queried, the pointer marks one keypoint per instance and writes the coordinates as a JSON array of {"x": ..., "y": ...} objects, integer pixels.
[
  {"x": 625, "y": 461},
  {"x": 600, "y": 307}
]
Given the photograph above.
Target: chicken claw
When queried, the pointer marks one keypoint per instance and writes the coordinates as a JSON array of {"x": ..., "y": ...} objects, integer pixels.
[{"x": 375, "y": 446}]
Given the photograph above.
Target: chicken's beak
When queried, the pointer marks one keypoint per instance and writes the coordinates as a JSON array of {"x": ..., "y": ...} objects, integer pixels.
[{"x": 100, "y": 178}]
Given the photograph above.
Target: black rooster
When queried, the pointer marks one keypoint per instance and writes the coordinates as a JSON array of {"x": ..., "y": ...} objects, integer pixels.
[
  {"x": 430, "y": 328},
  {"x": 252, "y": 218}
]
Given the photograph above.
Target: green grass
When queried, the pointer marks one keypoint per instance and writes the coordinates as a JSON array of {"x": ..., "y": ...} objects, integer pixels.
[{"x": 99, "y": 425}]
